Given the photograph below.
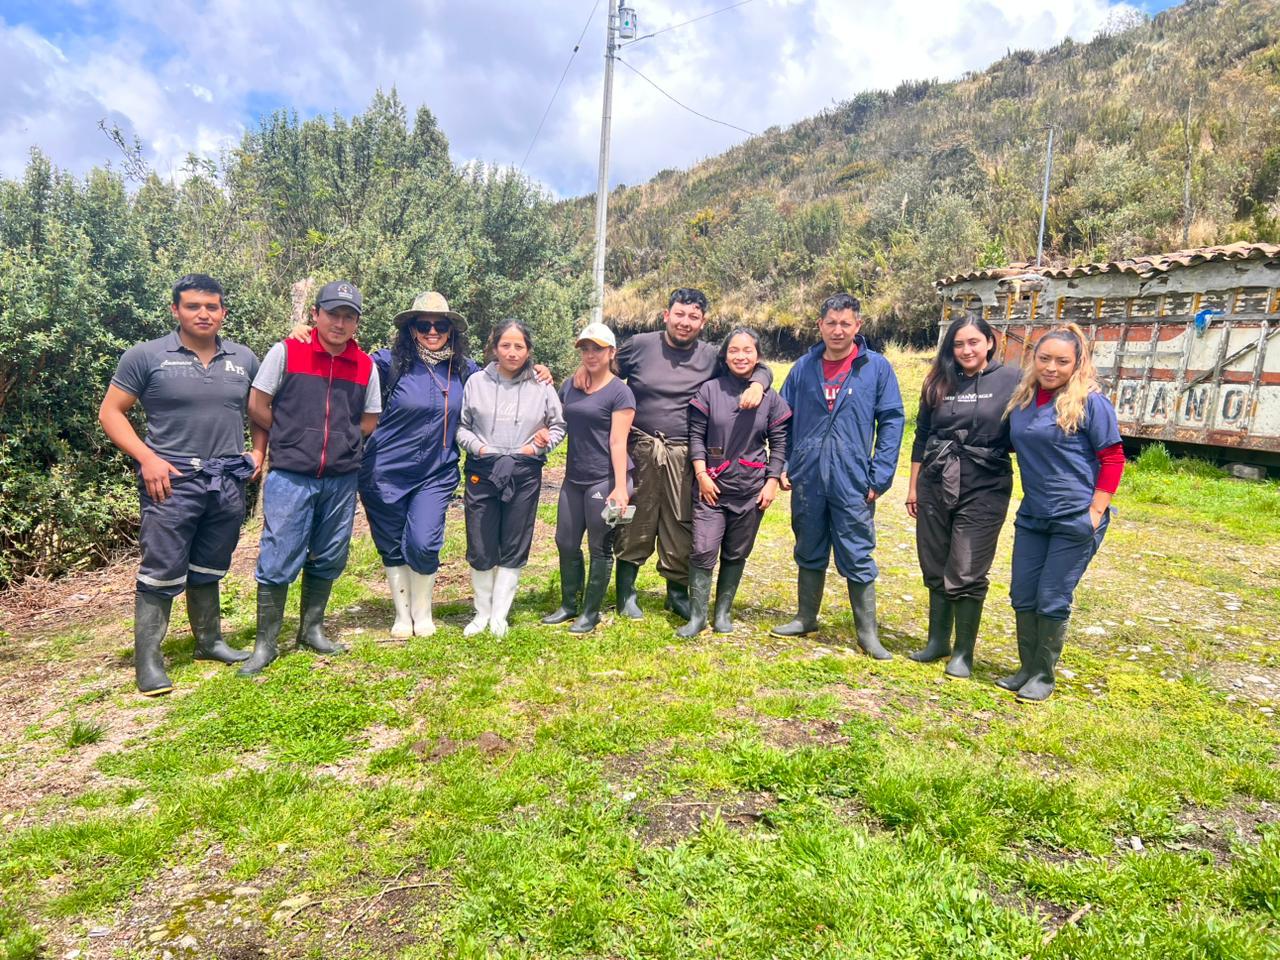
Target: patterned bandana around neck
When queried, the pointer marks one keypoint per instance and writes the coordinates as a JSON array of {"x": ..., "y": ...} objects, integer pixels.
[{"x": 431, "y": 357}]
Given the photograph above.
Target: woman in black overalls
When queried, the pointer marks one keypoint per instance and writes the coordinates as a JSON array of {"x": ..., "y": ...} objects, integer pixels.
[
  {"x": 961, "y": 479},
  {"x": 737, "y": 461}
]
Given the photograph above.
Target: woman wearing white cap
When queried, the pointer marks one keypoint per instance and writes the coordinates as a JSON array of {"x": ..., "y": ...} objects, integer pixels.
[{"x": 598, "y": 420}]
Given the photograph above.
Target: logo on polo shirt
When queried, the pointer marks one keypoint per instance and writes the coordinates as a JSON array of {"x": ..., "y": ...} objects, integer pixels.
[{"x": 233, "y": 368}]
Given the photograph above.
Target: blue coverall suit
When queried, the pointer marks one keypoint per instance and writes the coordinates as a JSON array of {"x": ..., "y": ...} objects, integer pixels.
[
  {"x": 410, "y": 468},
  {"x": 834, "y": 457},
  {"x": 1054, "y": 538}
]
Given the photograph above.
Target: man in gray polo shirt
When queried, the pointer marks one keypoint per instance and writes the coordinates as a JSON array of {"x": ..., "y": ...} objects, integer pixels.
[{"x": 192, "y": 468}]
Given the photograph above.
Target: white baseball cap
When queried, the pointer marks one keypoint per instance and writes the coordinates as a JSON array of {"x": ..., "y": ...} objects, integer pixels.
[{"x": 599, "y": 334}]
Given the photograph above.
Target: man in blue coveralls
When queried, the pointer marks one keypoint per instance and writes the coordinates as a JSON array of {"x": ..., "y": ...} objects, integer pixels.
[
  {"x": 192, "y": 468},
  {"x": 845, "y": 431}
]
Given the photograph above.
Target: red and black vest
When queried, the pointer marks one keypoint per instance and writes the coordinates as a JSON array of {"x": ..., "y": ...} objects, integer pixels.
[{"x": 317, "y": 408}]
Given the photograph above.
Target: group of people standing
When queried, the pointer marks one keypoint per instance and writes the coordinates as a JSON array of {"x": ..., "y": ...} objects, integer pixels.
[{"x": 690, "y": 439}]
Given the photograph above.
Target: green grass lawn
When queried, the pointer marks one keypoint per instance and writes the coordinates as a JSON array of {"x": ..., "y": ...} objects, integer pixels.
[{"x": 627, "y": 794}]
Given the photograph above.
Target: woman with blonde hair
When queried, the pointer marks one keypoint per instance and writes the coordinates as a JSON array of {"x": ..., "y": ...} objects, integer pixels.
[{"x": 1070, "y": 459}]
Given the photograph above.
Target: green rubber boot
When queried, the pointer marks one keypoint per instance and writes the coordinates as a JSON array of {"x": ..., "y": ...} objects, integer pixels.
[
  {"x": 941, "y": 617},
  {"x": 726, "y": 589},
  {"x": 271, "y": 598},
  {"x": 968, "y": 617},
  {"x": 699, "y": 598},
  {"x": 150, "y": 624},
  {"x": 1051, "y": 636},
  {"x": 315, "y": 597},
  {"x": 809, "y": 584},
  {"x": 1027, "y": 642},
  {"x": 593, "y": 595},
  {"x": 571, "y": 573},
  {"x": 628, "y": 605},
  {"x": 862, "y": 597},
  {"x": 205, "y": 613}
]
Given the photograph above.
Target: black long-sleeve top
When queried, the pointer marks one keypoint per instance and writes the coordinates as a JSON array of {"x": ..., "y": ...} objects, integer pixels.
[
  {"x": 968, "y": 426},
  {"x": 741, "y": 448}
]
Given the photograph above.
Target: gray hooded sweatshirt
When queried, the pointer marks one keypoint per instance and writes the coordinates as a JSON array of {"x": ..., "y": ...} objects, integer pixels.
[{"x": 502, "y": 415}]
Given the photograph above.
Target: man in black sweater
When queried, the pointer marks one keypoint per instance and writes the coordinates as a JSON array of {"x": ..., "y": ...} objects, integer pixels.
[{"x": 664, "y": 369}]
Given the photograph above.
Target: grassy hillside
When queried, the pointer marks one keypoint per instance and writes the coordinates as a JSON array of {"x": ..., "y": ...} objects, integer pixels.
[{"x": 887, "y": 191}]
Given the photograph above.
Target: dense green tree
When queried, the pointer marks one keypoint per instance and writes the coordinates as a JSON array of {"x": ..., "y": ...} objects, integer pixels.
[{"x": 86, "y": 266}]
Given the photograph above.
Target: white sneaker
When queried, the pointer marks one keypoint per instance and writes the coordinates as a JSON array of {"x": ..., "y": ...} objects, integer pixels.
[
  {"x": 482, "y": 587},
  {"x": 504, "y": 594},
  {"x": 421, "y": 586},
  {"x": 398, "y": 580}
]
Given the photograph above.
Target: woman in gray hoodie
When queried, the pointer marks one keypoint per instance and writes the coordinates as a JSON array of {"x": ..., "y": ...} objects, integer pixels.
[{"x": 508, "y": 424}]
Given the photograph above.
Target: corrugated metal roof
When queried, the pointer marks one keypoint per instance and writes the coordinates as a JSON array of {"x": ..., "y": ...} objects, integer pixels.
[{"x": 1142, "y": 267}]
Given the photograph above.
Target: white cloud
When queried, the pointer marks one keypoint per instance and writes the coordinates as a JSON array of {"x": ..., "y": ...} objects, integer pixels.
[{"x": 185, "y": 74}]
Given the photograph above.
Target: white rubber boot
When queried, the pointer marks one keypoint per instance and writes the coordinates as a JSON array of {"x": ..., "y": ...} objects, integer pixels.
[
  {"x": 504, "y": 594},
  {"x": 398, "y": 581},
  {"x": 482, "y": 587},
  {"x": 421, "y": 586}
]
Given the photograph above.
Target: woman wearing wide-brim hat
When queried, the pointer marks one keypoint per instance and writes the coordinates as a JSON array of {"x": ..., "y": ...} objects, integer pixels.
[{"x": 410, "y": 468}]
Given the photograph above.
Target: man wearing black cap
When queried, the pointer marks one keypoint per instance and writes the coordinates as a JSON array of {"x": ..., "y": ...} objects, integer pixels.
[{"x": 318, "y": 400}]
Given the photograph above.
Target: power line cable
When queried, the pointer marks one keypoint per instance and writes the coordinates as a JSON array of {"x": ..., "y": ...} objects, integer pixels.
[
  {"x": 591, "y": 16},
  {"x": 683, "y": 106},
  {"x": 685, "y": 23}
]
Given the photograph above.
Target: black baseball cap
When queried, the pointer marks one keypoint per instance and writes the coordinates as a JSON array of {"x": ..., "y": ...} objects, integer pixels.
[{"x": 339, "y": 293}]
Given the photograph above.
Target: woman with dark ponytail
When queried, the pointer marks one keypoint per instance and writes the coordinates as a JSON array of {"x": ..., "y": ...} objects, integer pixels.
[
  {"x": 510, "y": 422},
  {"x": 961, "y": 479},
  {"x": 737, "y": 457}
]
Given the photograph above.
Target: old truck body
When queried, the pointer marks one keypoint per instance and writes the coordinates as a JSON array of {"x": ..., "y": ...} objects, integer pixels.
[{"x": 1185, "y": 343}]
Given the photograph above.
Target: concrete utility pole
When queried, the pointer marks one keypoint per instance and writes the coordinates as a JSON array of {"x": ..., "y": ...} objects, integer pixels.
[
  {"x": 602, "y": 185},
  {"x": 1044, "y": 200}
]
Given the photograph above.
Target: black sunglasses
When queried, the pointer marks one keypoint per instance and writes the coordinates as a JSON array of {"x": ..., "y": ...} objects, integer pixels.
[{"x": 426, "y": 326}]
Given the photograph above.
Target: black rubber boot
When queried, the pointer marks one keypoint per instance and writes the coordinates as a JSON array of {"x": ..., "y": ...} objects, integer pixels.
[
  {"x": 571, "y": 573},
  {"x": 699, "y": 599},
  {"x": 271, "y": 598},
  {"x": 150, "y": 624},
  {"x": 809, "y": 584},
  {"x": 1051, "y": 635},
  {"x": 204, "y": 612},
  {"x": 315, "y": 597},
  {"x": 968, "y": 617},
  {"x": 862, "y": 597},
  {"x": 677, "y": 600},
  {"x": 941, "y": 616},
  {"x": 1027, "y": 642},
  {"x": 726, "y": 589},
  {"x": 593, "y": 595},
  {"x": 626, "y": 590}
]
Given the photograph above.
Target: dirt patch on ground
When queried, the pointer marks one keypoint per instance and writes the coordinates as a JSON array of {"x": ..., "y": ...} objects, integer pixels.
[
  {"x": 186, "y": 913},
  {"x": 668, "y": 822},
  {"x": 1219, "y": 831},
  {"x": 38, "y": 703}
]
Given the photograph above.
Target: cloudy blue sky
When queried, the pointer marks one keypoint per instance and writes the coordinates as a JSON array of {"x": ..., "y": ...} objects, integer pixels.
[{"x": 190, "y": 76}]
